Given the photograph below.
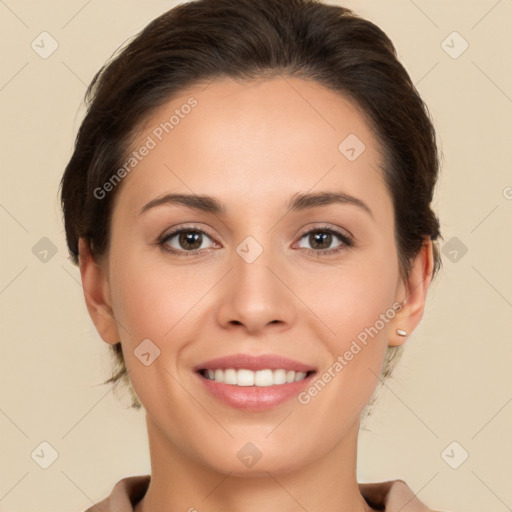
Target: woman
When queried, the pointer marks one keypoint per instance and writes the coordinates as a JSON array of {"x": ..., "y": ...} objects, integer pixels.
[{"x": 249, "y": 202}]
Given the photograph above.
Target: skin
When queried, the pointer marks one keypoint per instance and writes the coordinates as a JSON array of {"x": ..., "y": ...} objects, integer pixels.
[{"x": 253, "y": 146}]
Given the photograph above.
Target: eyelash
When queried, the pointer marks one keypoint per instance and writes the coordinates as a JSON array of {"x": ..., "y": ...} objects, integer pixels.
[{"x": 347, "y": 241}]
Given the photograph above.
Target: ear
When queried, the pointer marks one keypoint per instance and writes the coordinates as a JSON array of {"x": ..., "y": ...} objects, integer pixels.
[
  {"x": 97, "y": 294},
  {"x": 414, "y": 291}
]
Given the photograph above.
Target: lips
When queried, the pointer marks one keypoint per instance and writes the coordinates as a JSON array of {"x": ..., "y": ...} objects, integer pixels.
[
  {"x": 254, "y": 383},
  {"x": 255, "y": 363}
]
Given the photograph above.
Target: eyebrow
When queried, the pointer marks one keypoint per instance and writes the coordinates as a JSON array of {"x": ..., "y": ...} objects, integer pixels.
[{"x": 298, "y": 202}]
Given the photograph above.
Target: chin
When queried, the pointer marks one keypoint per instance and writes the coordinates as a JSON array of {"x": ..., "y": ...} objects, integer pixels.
[{"x": 255, "y": 458}]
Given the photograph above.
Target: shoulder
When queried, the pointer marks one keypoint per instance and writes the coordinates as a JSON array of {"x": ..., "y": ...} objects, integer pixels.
[
  {"x": 125, "y": 494},
  {"x": 393, "y": 495}
]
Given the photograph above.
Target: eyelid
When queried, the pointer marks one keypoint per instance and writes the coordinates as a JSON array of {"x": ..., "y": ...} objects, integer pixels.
[
  {"x": 322, "y": 226},
  {"x": 347, "y": 240}
]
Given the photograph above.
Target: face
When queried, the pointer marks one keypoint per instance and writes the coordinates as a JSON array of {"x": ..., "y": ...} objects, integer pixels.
[{"x": 272, "y": 278}]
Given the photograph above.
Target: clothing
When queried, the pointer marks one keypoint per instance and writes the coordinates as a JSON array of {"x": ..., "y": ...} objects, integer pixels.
[{"x": 390, "y": 496}]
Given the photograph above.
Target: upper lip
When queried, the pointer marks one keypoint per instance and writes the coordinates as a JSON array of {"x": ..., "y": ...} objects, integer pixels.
[{"x": 251, "y": 362}]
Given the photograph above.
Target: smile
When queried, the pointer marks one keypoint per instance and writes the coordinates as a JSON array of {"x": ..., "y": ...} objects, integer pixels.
[{"x": 254, "y": 382}]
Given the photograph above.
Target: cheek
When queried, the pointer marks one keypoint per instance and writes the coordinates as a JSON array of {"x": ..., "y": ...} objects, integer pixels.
[
  {"x": 150, "y": 300},
  {"x": 154, "y": 307},
  {"x": 351, "y": 296},
  {"x": 356, "y": 304}
]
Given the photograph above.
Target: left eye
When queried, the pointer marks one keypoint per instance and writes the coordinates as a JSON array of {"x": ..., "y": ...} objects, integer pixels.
[
  {"x": 320, "y": 239},
  {"x": 188, "y": 240}
]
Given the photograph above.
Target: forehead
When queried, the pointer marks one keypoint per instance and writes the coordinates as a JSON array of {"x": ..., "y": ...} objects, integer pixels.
[{"x": 260, "y": 139}]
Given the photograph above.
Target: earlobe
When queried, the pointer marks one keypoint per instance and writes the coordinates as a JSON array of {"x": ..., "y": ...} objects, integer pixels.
[
  {"x": 97, "y": 294},
  {"x": 414, "y": 294}
]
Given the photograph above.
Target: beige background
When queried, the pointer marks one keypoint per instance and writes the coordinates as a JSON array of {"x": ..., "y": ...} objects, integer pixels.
[{"x": 454, "y": 380}]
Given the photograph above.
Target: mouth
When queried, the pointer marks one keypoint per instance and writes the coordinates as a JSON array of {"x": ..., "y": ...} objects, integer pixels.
[{"x": 254, "y": 383}]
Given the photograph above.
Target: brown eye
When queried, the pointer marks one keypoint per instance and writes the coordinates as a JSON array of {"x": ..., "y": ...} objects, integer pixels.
[
  {"x": 185, "y": 241},
  {"x": 190, "y": 240},
  {"x": 320, "y": 241}
]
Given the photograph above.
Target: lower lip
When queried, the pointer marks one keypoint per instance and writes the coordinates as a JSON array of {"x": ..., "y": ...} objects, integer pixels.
[{"x": 255, "y": 398}]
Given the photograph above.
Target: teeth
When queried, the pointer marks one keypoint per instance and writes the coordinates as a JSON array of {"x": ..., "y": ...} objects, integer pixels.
[
  {"x": 229, "y": 376},
  {"x": 243, "y": 377},
  {"x": 260, "y": 378}
]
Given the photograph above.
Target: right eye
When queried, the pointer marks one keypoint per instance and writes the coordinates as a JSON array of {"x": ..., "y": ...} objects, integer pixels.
[{"x": 185, "y": 241}]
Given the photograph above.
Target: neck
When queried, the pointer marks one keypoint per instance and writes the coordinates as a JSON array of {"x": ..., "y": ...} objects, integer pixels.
[{"x": 181, "y": 483}]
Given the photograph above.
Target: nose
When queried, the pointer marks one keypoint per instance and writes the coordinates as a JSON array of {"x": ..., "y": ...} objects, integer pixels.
[{"x": 256, "y": 296}]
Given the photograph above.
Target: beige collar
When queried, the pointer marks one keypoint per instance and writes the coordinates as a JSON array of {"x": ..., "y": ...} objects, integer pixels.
[{"x": 390, "y": 496}]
